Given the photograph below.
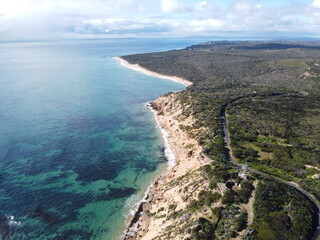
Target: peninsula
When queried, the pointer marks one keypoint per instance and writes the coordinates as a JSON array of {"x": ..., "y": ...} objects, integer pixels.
[{"x": 245, "y": 135}]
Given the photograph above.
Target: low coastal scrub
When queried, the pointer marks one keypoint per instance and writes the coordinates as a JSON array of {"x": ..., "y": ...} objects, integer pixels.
[
  {"x": 281, "y": 213},
  {"x": 271, "y": 95},
  {"x": 278, "y": 135}
]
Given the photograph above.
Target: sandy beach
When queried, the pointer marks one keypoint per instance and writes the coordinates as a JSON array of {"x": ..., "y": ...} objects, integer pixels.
[
  {"x": 138, "y": 68},
  {"x": 184, "y": 156}
]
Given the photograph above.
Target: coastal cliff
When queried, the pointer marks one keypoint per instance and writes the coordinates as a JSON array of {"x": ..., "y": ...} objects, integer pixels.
[{"x": 171, "y": 191}]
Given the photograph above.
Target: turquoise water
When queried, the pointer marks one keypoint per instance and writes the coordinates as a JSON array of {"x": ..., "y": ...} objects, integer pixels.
[{"x": 77, "y": 146}]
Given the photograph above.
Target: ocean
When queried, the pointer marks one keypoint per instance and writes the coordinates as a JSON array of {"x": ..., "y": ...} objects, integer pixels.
[{"x": 78, "y": 147}]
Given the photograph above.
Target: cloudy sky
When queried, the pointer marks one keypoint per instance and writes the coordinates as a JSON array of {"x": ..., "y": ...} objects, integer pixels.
[{"x": 23, "y": 19}]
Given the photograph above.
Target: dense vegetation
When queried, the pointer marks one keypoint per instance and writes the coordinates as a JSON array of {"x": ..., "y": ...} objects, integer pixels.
[
  {"x": 279, "y": 135},
  {"x": 272, "y": 95},
  {"x": 280, "y": 213}
]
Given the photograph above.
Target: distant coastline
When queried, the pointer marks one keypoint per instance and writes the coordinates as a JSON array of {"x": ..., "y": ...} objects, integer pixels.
[{"x": 138, "y": 68}]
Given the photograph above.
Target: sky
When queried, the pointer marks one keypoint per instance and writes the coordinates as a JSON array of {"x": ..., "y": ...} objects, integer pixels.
[{"x": 45, "y": 19}]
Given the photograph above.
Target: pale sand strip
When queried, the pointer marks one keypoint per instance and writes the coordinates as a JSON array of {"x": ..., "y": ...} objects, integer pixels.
[{"x": 138, "y": 68}]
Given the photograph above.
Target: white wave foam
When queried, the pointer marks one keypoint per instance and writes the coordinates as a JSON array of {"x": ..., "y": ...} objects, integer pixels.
[
  {"x": 11, "y": 221},
  {"x": 135, "y": 207},
  {"x": 168, "y": 153}
]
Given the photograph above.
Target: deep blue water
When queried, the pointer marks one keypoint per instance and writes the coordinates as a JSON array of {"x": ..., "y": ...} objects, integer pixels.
[{"x": 77, "y": 146}]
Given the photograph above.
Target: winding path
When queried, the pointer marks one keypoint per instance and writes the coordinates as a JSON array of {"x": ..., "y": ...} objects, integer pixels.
[{"x": 229, "y": 155}]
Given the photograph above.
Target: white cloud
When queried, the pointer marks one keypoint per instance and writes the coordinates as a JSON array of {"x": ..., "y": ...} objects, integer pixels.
[
  {"x": 206, "y": 10},
  {"x": 316, "y": 4},
  {"x": 242, "y": 8},
  {"x": 123, "y": 26},
  {"x": 207, "y": 25},
  {"x": 171, "y": 6},
  {"x": 34, "y": 18}
]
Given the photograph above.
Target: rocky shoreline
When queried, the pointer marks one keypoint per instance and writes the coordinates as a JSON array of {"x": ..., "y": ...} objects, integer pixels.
[{"x": 145, "y": 224}]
